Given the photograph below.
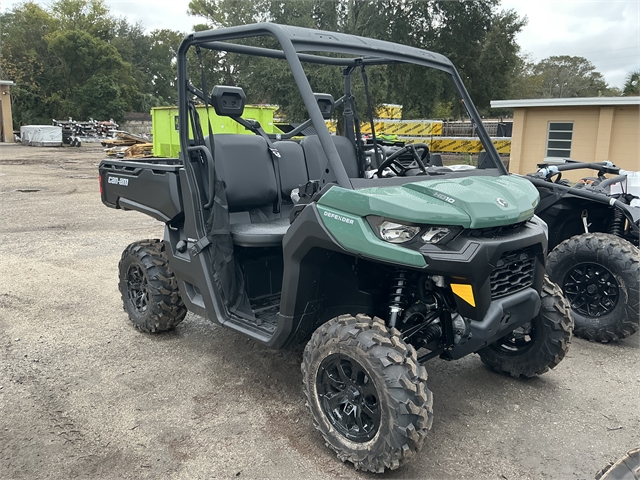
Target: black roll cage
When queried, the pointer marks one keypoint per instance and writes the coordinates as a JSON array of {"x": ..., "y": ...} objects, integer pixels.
[{"x": 296, "y": 40}]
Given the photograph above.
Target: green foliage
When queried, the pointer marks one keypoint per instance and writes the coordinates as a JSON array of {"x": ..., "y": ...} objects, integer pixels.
[
  {"x": 632, "y": 84},
  {"x": 475, "y": 35},
  {"x": 443, "y": 110},
  {"x": 558, "y": 77},
  {"x": 101, "y": 98},
  {"x": 75, "y": 59},
  {"x": 565, "y": 76}
]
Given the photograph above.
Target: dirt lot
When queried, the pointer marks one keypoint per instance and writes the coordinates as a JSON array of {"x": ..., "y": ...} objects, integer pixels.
[{"x": 83, "y": 394}]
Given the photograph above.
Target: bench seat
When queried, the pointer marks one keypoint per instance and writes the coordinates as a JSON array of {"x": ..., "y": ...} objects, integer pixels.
[{"x": 264, "y": 234}]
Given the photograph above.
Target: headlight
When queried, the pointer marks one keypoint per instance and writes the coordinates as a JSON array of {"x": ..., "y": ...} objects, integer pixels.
[
  {"x": 397, "y": 232},
  {"x": 435, "y": 234}
]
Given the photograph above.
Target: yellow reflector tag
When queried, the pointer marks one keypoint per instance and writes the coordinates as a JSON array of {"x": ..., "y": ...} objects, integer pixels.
[{"x": 465, "y": 292}]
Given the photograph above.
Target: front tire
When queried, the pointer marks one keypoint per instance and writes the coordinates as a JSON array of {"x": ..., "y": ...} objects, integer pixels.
[
  {"x": 366, "y": 392},
  {"x": 540, "y": 344},
  {"x": 148, "y": 287},
  {"x": 599, "y": 274}
]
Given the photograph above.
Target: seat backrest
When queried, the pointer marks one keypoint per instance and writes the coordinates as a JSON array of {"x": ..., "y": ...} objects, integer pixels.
[
  {"x": 293, "y": 169},
  {"x": 317, "y": 160},
  {"x": 244, "y": 163}
]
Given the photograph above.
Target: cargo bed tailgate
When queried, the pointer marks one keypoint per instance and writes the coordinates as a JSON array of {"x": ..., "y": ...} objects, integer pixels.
[{"x": 151, "y": 187}]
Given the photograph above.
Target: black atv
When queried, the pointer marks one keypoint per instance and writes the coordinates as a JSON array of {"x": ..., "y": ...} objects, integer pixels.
[
  {"x": 593, "y": 243},
  {"x": 377, "y": 264}
]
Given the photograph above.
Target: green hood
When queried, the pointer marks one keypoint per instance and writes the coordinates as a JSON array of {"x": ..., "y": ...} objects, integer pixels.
[{"x": 470, "y": 202}]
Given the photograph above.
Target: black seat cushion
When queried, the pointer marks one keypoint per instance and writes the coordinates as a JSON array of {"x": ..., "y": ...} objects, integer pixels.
[
  {"x": 317, "y": 160},
  {"x": 266, "y": 234},
  {"x": 293, "y": 169},
  {"x": 244, "y": 163}
]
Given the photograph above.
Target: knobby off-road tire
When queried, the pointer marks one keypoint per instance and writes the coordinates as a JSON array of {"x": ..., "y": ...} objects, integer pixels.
[
  {"x": 599, "y": 274},
  {"x": 538, "y": 345},
  {"x": 627, "y": 468},
  {"x": 366, "y": 392},
  {"x": 148, "y": 287}
]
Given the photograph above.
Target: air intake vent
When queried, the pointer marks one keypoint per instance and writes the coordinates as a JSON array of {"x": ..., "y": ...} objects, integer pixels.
[{"x": 514, "y": 272}]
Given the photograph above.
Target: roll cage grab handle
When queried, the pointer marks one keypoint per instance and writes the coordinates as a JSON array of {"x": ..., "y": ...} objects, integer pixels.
[{"x": 317, "y": 40}]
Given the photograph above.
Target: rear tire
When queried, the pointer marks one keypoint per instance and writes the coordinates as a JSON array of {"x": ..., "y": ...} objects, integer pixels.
[
  {"x": 537, "y": 346},
  {"x": 599, "y": 274},
  {"x": 628, "y": 467},
  {"x": 148, "y": 287},
  {"x": 366, "y": 392}
]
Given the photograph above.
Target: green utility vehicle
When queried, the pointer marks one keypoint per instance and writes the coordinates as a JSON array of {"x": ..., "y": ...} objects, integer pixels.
[{"x": 372, "y": 255}]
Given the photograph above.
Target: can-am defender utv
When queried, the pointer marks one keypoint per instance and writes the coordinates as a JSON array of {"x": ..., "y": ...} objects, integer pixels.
[
  {"x": 593, "y": 244},
  {"x": 378, "y": 264}
]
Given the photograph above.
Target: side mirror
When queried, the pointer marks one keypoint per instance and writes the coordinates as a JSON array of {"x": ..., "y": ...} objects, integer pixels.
[
  {"x": 228, "y": 101},
  {"x": 325, "y": 102}
]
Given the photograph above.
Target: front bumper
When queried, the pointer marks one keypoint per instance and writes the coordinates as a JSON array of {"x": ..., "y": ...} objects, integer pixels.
[
  {"x": 503, "y": 316},
  {"x": 496, "y": 265}
]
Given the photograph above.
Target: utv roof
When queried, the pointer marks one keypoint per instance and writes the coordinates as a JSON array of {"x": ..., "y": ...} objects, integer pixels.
[{"x": 357, "y": 50}]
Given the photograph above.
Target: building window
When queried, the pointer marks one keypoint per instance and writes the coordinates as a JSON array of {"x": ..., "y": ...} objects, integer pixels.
[{"x": 559, "y": 139}]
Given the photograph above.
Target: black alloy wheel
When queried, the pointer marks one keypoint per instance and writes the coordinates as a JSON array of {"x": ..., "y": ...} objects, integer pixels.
[
  {"x": 349, "y": 398},
  {"x": 592, "y": 290},
  {"x": 518, "y": 341},
  {"x": 138, "y": 288}
]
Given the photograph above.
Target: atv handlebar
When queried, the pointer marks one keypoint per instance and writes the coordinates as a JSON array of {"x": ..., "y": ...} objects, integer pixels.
[{"x": 547, "y": 171}]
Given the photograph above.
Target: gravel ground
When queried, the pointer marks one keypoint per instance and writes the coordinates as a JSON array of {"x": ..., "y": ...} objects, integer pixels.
[{"x": 83, "y": 394}]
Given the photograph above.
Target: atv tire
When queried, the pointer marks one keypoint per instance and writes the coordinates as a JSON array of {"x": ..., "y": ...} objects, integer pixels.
[
  {"x": 366, "y": 392},
  {"x": 148, "y": 287},
  {"x": 599, "y": 274},
  {"x": 540, "y": 344},
  {"x": 627, "y": 468}
]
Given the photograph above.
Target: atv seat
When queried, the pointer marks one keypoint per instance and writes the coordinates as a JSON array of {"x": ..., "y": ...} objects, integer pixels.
[
  {"x": 293, "y": 168},
  {"x": 317, "y": 160},
  {"x": 245, "y": 165},
  {"x": 265, "y": 234}
]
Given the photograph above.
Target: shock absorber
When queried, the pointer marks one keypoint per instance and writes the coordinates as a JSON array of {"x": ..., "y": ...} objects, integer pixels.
[
  {"x": 617, "y": 224},
  {"x": 398, "y": 297}
]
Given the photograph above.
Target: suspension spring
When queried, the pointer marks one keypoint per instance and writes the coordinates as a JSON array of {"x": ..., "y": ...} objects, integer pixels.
[
  {"x": 397, "y": 297},
  {"x": 617, "y": 224}
]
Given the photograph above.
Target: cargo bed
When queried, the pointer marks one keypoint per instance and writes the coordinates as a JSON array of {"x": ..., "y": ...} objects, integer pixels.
[{"x": 151, "y": 187}]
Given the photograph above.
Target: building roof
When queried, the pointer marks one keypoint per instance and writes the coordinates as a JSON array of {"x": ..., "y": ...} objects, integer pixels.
[
  {"x": 6, "y": 82},
  {"x": 565, "y": 102}
]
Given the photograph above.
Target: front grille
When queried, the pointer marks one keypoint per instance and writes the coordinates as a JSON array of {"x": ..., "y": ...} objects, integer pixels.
[
  {"x": 513, "y": 272},
  {"x": 493, "y": 232}
]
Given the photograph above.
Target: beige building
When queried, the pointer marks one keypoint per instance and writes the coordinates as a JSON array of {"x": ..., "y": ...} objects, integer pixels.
[
  {"x": 6, "y": 119},
  {"x": 585, "y": 129}
]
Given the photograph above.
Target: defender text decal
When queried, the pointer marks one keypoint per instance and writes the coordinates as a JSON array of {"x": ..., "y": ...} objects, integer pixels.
[{"x": 338, "y": 217}]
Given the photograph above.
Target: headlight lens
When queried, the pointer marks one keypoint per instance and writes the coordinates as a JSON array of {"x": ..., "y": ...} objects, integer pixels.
[
  {"x": 397, "y": 232},
  {"x": 435, "y": 234}
]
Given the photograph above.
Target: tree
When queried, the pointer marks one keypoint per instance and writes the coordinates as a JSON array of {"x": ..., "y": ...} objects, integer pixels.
[
  {"x": 82, "y": 60},
  {"x": 25, "y": 61},
  {"x": 632, "y": 84},
  {"x": 90, "y": 16},
  {"x": 76, "y": 59},
  {"x": 478, "y": 38},
  {"x": 565, "y": 76}
]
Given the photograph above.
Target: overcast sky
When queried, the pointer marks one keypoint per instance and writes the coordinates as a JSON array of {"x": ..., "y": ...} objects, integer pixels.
[{"x": 607, "y": 32}]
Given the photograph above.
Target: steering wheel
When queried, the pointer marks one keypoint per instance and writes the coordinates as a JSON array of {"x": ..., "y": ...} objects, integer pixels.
[{"x": 394, "y": 164}]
